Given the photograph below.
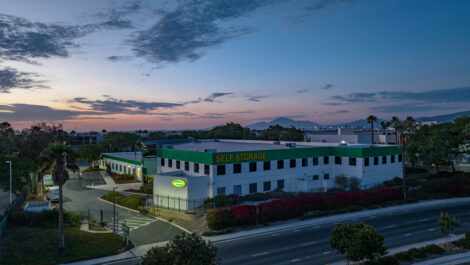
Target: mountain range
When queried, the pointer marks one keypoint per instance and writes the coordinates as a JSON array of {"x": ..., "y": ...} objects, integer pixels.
[{"x": 286, "y": 122}]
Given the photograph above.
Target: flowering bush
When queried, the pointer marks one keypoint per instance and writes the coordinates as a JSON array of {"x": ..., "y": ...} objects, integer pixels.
[
  {"x": 459, "y": 189},
  {"x": 291, "y": 208}
]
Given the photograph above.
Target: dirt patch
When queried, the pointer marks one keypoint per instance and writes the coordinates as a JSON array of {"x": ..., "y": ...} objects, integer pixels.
[{"x": 195, "y": 223}]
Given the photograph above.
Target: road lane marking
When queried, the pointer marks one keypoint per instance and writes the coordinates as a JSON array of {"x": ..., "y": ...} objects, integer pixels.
[
  {"x": 390, "y": 214},
  {"x": 423, "y": 220},
  {"x": 276, "y": 234},
  {"x": 296, "y": 230},
  {"x": 326, "y": 252},
  {"x": 260, "y": 254},
  {"x": 407, "y": 234},
  {"x": 295, "y": 260},
  {"x": 389, "y": 226},
  {"x": 372, "y": 216},
  {"x": 308, "y": 244},
  {"x": 431, "y": 229}
]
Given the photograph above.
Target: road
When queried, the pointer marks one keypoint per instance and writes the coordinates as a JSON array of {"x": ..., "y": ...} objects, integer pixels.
[
  {"x": 309, "y": 245},
  {"x": 144, "y": 229}
]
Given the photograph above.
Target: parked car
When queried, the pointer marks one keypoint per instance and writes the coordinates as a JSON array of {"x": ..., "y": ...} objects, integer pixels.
[
  {"x": 53, "y": 193},
  {"x": 47, "y": 182}
]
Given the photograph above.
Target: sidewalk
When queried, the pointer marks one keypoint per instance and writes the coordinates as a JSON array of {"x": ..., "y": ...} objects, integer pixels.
[
  {"x": 134, "y": 253},
  {"x": 295, "y": 224},
  {"x": 448, "y": 260}
]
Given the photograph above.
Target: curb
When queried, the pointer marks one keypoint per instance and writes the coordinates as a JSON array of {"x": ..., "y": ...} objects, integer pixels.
[
  {"x": 335, "y": 218},
  {"x": 158, "y": 218}
]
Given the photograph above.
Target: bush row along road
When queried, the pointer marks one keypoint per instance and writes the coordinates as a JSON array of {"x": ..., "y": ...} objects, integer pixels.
[{"x": 144, "y": 229}]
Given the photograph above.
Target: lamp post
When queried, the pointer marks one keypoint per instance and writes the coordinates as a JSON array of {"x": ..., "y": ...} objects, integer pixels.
[
  {"x": 114, "y": 210},
  {"x": 9, "y": 162}
]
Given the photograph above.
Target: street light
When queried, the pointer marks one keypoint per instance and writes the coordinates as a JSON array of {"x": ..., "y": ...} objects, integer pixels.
[
  {"x": 114, "y": 210},
  {"x": 9, "y": 162}
]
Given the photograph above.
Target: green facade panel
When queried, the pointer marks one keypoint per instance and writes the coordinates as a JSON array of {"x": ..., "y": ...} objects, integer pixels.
[{"x": 222, "y": 158}]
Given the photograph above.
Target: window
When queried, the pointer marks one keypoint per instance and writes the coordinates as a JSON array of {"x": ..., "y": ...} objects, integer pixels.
[
  {"x": 315, "y": 177},
  {"x": 280, "y": 184},
  {"x": 376, "y": 160},
  {"x": 392, "y": 159},
  {"x": 237, "y": 168},
  {"x": 170, "y": 162},
  {"x": 253, "y": 187},
  {"x": 267, "y": 165},
  {"x": 338, "y": 160},
  {"x": 384, "y": 159},
  {"x": 163, "y": 162},
  {"x": 366, "y": 162},
  {"x": 221, "y": 170},
  {"x": 221, "y": 191},
  {"x": 352, "y": 161},
  {"x": 207, "y": 170},
  {"x": 186, "y": 166},
  {"x": 292, "y": 163},
  {"x": 237, "y": 189},
  {"x": 400, "y": 158},
  {"x": 267, "y": 186},
  {"x": 120, "y": 167},
  {"x": 304, "y": 162},
  {"x": 253, "y": 167},
  {"x": 196, "y": 167},
  {"x": 315, "y": 161},
  {"x": 326, "y": 160},
  {"x": 178, "y": 164},
  {"x": 326, "y": 176},
  {"x": 280, "y": 164}
]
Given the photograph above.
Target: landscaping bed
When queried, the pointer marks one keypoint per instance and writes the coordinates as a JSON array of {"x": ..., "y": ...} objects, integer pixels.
[
  {"x": 134, "y": 202},
  {"x": 147, "y": 189},
  {"x": 124, "y": 178}
]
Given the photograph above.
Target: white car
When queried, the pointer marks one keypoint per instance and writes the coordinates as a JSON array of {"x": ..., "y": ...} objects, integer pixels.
[{"x": 53, "y": 193}]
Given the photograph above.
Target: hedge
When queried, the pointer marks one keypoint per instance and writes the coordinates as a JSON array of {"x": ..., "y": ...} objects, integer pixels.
[
  {"x": 243, "y": 215},
  {"x": 46, "y": 218}
]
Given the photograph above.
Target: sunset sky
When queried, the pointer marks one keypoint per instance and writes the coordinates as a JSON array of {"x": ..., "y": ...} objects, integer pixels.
[{"x": 125, "y": 65}]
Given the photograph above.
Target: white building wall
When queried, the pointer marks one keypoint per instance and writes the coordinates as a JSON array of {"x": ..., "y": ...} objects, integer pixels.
[{"x": 121, "y": 167}]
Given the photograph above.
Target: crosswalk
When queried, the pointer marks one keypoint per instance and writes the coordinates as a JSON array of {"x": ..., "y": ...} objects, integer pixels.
[{"x": 133, "y": 222}]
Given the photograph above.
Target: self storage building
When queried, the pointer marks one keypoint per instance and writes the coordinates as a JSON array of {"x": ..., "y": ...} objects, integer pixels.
[{"x": 198, "y": 170}]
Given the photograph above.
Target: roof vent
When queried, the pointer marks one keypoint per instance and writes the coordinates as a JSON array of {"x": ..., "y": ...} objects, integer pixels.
[
  {"x": 290, "y": 145},
  {"x": 210, "y": 150}
]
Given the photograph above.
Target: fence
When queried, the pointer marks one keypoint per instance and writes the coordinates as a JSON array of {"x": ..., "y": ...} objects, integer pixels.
[
  {"x": 103, "y": 218},
  {"x": 15, "y": 204}
]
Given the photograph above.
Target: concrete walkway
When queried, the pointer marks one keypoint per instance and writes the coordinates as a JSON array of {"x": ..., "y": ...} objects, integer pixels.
[
  {"x": 449, "y": 260},
  {"x": 333, "y": 218}
]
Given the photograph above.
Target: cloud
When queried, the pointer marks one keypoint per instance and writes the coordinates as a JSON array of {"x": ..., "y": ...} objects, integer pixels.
[
  {"x": 336, "y": 112},
  {"x": 22, "y": 40},
  {"x": 116, "y": 58},
  {"x": 212, "y": 97},
  {"x": 333, "y": 104},
  {"x": 213, "y": 115},
  {"x": 270, "y": 118},
  {"x": 306, "y": 90},
  {"x": 450, "y": 95},
  {"x": 110, "y": 105},
  {"x": 11, "y": 78},
  {"x": 399, "y": 108},
  {"x": 242, "y": 112},
  {"x": 256, "y": 98},
  {"x": 192, "y": 27},
  {"x": 322, "y": 4},
  {"x": 27, "y": 112}
]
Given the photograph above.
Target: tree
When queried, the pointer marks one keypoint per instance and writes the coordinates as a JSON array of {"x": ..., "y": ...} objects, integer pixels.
[
  {"x": 371, "y": 119},
  {"x": 21, "y": 169},
  {"x": 59, "y": 157},
  {"x": 354, "y": 184},
  {"x": 341, "y": 181},
  {"x": 447, "y": 224},
  {"x": 7, "y": 139},
  {"x": 358, "y": 241},
  {"x": 90, "y": 153},
  {"x": 279, "y": 133},
  {"x": 384, "y": 125},
  {"x": 119, "y": 142},
  {"x": 184, "y": 249}
]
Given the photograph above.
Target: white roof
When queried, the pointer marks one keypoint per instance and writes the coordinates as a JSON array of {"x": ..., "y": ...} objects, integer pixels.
[{"x": 137, "y": 156}]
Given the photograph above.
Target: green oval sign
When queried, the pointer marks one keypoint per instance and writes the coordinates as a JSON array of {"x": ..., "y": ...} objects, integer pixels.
[{"x": 178, "y": 183}]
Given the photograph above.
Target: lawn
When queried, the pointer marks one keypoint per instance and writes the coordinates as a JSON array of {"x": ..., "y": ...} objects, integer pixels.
[
  {"x": 36, "y": 245},
  {"x": 131, "y": 201}
]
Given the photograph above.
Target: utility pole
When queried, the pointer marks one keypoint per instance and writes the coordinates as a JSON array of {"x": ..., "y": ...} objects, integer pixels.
[
  {"x": 114, "y": 210},
  {"x": 11, "y": 200}
]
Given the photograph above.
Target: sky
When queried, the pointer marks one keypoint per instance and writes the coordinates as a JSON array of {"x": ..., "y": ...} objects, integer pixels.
[{"x": 128, "y": 65}]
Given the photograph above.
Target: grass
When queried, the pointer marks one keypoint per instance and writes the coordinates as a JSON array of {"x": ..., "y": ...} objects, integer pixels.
[
  {"x": 34, "y": 245},
  {"x": 131, "y": 201}
]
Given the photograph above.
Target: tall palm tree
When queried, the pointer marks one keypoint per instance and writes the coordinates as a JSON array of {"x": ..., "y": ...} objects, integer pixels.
[
  {"x": 371, "y": 119},
  {"x": 59, "y": 157},
  {"x": 395, "y": 120}
]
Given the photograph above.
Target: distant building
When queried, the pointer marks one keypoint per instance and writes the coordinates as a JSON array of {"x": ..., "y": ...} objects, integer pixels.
[
  {"x": 188, "y": 173},
  {"x": 352, "y": 136},
  {"x": 78, "y": 139}
]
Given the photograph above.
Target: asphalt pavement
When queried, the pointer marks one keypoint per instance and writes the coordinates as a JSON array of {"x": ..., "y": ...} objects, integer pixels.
[{"x": 144, "y": 229}]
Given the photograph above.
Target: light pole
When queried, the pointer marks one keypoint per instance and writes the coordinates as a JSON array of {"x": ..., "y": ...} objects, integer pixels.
[
  {"x": 9, "y": 162},
  {"x": 114, "y": 210}
]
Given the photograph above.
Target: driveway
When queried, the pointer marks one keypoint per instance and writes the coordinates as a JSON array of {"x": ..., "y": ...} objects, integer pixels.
[{"x": 144, "y": 229}]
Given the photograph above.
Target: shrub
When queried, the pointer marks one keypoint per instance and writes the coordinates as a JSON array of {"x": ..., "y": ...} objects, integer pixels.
[
  {"x": 403, "y": 256},
  {"x": 389, "y": 183},
  {"x": 397, "y": 181},
  {"x": 147, "y": 189},
  {"x": 244, "y": 214},
  {"x": 127, "y": 176},
  {"x": 387, "y": 260},
  {"x": 46, "y": 218},
  {"x": 220, "y": 218},
  {"x": 417, "y": 253},
  {"x": 434, "y": 249}
]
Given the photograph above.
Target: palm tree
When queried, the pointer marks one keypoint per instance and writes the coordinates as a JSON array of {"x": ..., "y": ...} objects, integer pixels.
[
  {"x": 59, "y": 157},
  {"x": 395, "y": 120},
  {"x": 371, "y": 119}
]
